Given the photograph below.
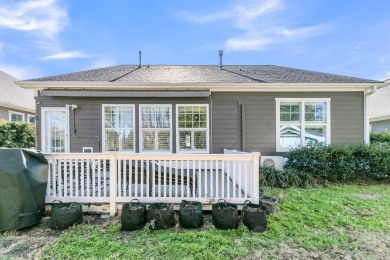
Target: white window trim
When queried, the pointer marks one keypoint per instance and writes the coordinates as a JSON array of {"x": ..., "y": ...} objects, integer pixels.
[
  {"x": 43, "y": 129},
  {"x": 140, "y": 128},
  {"x": 301, "y": 100},
  {"x": 104, "y": 132},
  {"x": 207, "y": 129},
  {"x": 10, "y": 112},
  {"x": 29, "y": 116}
]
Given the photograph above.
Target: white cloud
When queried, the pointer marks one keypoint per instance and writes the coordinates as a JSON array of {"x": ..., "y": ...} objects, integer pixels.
[
  {"x": 44, "y": 16},
  {"x": 259, "y": 30},
  {"x": 19, "y": 72},
  {"x": 101, "y": 63},
  {"x": 66, "y": 55}
]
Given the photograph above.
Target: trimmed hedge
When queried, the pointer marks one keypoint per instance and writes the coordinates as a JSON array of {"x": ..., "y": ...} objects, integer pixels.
[
  {"x": 382, "y": 137},
  {"x": 346, "y": 162},
  {"x": 273, "y": 178},
  {"x": 16, "y": 134}
]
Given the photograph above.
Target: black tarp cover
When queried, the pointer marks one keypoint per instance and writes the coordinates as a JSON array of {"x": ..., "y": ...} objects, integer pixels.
[{"x": 23, "y": 181}]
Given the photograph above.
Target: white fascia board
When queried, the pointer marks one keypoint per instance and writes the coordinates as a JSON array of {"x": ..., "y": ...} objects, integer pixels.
[
  {"x": 379, "y": 118},
  {"x": 17, "y": 107},
  {"x": 216, "y": 87}
]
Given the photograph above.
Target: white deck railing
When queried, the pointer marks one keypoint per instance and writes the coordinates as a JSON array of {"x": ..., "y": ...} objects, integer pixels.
[{"x": 116, "y": 178}]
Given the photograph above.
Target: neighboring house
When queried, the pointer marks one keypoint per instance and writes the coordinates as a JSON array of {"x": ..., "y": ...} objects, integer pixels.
[
  {"x": 198, "y": 109},
  {"x": 16, "y": 103},
  {"x": 379, "y": 110}
]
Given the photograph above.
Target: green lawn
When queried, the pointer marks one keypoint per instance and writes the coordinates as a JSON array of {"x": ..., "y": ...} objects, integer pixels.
[{"x": 332, "y": 222}]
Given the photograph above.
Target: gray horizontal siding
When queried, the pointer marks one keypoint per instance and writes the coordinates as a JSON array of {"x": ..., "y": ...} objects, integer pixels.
[
  {"x": 260, "y": 119},
  {"x": 259, "y": 109},
  {"x": 380, "y": 126},
  {"x": 89, "y": 116}
]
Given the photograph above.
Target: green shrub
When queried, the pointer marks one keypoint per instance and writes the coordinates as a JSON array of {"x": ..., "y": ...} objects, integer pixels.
[
  {"x": 382, "y": 137},
  {"x": 16, "y": 134},
  {"x": 343, "y": 162},
  {"x": 273, "y": 178}
]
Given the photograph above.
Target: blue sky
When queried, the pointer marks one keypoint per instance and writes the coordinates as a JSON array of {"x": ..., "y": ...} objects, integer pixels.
[{"x": 49, "y": 37}]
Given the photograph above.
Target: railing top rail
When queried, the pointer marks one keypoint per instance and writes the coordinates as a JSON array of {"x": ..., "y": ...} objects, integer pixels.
[{"x": 137, "y": 156}]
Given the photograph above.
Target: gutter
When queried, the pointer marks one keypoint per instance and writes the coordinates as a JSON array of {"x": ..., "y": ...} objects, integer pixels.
[{"x": 366, "y": 117}]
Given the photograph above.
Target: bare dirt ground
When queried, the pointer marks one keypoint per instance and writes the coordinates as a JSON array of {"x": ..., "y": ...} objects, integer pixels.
[{"x": 28, "y": 243}]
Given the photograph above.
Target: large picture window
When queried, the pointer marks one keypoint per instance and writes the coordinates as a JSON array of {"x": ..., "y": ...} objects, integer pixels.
[
  {"x": 155, "y": 128},
  {"x": 302, "y": 122},
  {"x": 192, "y": 128},
  {"x": 118, "y": 125}
]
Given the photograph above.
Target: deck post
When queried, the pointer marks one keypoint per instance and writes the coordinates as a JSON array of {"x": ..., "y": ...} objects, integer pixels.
[
  {"x": 256, "y": 159},
  {"x": 113, "y": 184}
]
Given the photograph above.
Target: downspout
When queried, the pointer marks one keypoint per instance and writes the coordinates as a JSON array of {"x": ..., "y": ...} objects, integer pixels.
[{"x": 366, "y": 118}]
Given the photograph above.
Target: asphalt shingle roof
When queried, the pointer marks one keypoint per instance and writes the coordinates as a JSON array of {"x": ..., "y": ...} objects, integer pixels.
[
  {"x": 204, "y": 74},
  {"x": 10, "y": 94}
]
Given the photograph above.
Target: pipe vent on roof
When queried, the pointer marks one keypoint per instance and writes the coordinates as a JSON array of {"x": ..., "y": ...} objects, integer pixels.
[
  {"x": 220, "y": 58},
  {"x": 140, "y": 54}
]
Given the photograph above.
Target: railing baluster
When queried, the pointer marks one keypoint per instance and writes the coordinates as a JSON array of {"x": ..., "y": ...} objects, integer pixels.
[
  {"x": 240, "y": 179},
  {"x": 99, "y": 177},
  {"x": 228, "y": 179},
  {"x": 93, "y": 171},
  {"x": 223, "y": 178},
  {"x": 170, "y": 179},
  {"x": 142, "y": 177},
  {"x": 136, "y": 178},
  {"x": 119, "y": 176},
  {"x": 105, "y": 177},
  {"x": 147, "y": 179},
  {"x": 159, "y": 178},
  {"x": 234, "y": 179},
  {"x": 124, "y": 186},
  {"x": 206, "y": 193},
  {"x": 182, "y": 177},
  {"x": 200, "y": 176},
  {"x": 165, "y": 178},
  {"x": 193, "y": 179},
  {"x": 176, "y": 177},
  {"x": 217, "y": 193},
  {"x": 246, "y": 179},
  {"x": 211, "y": 179}
]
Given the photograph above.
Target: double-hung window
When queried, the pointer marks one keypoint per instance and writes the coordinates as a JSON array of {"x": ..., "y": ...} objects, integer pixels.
[
  {"x": 155, "y": 128},
  {"x": 192, "y": 128},
  {"x": 118, "y": 127},
  {"x": 302, "y": 122}
]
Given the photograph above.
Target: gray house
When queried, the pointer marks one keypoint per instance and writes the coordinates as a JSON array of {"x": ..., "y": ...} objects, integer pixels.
[
  {"x": 379, "y": 110},
  {"x": 16, "y": 103},
  {"x": 198, "y": 109}
]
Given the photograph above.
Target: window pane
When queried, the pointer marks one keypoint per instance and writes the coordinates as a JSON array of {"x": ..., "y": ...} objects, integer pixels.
[
  {"x": 31, "y": 119},
  {"x": 148, "y": 140},
  {"x": 185, "y": 140},
  {"x": 315, "y": 112},
  {"x": 290, "y": 136},
  {"x": 118, "y": 123},
  {"x": 16, "y": 117},
  {"x": 164, "y": 139},
  {"x": 290, "y": 112},
  {"x": 193, "y": 140},
  {"x": 155, "y": 117},
  {"x": 315, "y": 135}
]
